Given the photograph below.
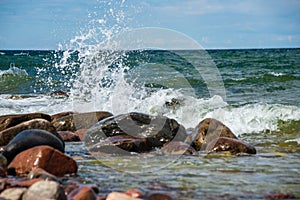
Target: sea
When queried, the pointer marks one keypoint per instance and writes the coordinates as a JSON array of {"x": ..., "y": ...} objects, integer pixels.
[{"x": 255, "y": 92}]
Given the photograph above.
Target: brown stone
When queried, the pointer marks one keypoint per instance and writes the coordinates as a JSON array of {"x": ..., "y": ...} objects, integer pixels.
[
  {"x": 81, "y": 133},
  {"x": 159, "y": 196},
  {"x": 45, "y": 157},
  {"x": 61, "y": 114},
  {"x": 79, "y": 121},
  {"x": 178, "y": 148},
  {"x": 41, "y": 173},
  {"x": 7, "y": 121},
  {"x": 45, "y": 190},
  {"x": 83, "y": 193},
  {"x": 121, "y": 144},
  {"x": 208, "y": 130},
  {"x": 69, "y": 136},
  {"x": 234, "y": 146},
  {"x": 9, "y": 133}
]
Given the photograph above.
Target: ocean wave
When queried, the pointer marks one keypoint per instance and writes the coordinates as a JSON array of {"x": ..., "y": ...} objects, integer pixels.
[{"x": 13, "y": 71}]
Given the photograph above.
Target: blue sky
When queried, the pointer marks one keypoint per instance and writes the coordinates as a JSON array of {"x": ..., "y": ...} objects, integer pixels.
[{"x": 43, "y": 24}]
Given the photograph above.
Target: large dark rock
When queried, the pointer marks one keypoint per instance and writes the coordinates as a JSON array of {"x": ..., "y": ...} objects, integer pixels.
[
  {"x": 234, "y": 146},
  {"x": 7, "y": 121},
  {"x": 121, "y": 144},
  {"x": 8, "y": 134},
  {"x": 31, "y": 138},
  {"x": 158, "y": 130},
  {"x": 79, "y": 121},
  {"x": 45, "y": 157},
  {"x": 207, "y": 130}
]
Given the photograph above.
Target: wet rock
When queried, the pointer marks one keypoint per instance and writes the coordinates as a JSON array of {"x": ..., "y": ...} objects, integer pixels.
[
  {"x": 45, "y": 190},
  {"x": 59, "y": 115},
  {"x": 81, "y": 133},
  {"x": 2, "y": 172},
  {"x": 159, "y": 196},
  {"x": 7, "y": 121},
  {"x": 42, "y": 174},
  {"x": 234, "y": 146},
  {"x": 208, "y": 130},
  {"x": 135, "y": 193},
  {"x": 69, "y": 136},
  {"x": 3, "y": 161},
  {"x": 119, "y": 196},
  {"x": 79, "y": 121},
  {"x": 45, "y": 157},
  {"x": 121, "y": 144},
  {"x": 30, "y": 138},
  {"x": 178, "y": 148},
  {"x": 13, "y": 193},
  {"x": 157, "y": 129},
  {"x": 9, "y": 133},
  {"x": 59, "y": 94},
  {"x": 83, "y": 193}
]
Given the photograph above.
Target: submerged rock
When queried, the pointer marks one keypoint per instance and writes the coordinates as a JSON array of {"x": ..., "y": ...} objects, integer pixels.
[
  {"x": 122, "y": 144},
  {"x": 156, "y": 129},
  {"x": 45, "y": 157},
  {"x": 79, "y": 121},
  {"x": 207, "y": 130},
  {"x": 30, "y": 138},
  {"x": 234, "y": 146},
  {"x": 8, "y": 134},
  {"x": 7, "y": 121}
]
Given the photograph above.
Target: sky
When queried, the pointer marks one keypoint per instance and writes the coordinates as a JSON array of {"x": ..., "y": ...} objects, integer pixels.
[{"x": 214, "y": 24}]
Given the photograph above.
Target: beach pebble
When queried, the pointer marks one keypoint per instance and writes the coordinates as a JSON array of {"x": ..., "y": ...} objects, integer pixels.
[
  {"x": 69, "y": 136},
  {"x": 79, "y": 121},
  {"x": 120, "y": 196},
  {"x": 83, "y": 193},
  {"x": 234, "y": 146},
  {"x": 45, "y": 190},
  {"x": 13, "y": 193},
  {"x": 30, "y": 138},
  {"x": 8, "y": 134},
  {"x": 157, "y": 129},
  {"x": 7, "y": 121},
  {"x": 159, "y": 196},
  {"x": 208, "y": 130},
  {"x": 178, "y": 148},
  {"x": 45, "y": 157},
  {"x": 121, "y": 144}
]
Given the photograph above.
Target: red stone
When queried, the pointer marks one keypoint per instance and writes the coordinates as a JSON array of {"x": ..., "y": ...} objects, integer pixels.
[
  {"x": 81, "y": 133},
  {"x": 158, "y": 196},
  {"x": 45, "y": 157},
  {"x": 83, "y": 193},
  {"x": 69, "y": 136},
  {"x": 134, "y": 193}
]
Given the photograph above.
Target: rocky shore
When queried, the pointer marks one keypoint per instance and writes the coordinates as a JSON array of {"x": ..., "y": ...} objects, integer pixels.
[{"x": 34, "y": 164}]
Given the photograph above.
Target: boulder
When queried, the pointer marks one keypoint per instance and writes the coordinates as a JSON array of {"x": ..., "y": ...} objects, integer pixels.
[
  {"x": 69, "y": 136},
  {"x": 13, "y": 193},
  {"x": 208, "y": 130},
  {"x": 79, "y": 121},
  {"x": 30, "y": 138},
  {"x": 9, "y": 133},
  {"x": 45, "y": 157},
  {"x": 156, "y": 129},
  {"x": 121, "y": 144},
  {"x": 234, "y": 146},
  {"x": 7, "y": 121},
  {"x": 83, "y": 193},
  {"x": 61, "y": 114},
  {"x": 178, "y": 148},
  {"x": 45, "y": 190}
]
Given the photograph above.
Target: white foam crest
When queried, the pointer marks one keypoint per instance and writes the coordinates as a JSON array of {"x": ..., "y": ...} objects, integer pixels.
[{"x": 12, "y": 70}]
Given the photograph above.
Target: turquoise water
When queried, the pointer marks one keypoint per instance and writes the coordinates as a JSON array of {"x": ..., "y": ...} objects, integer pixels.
[{"x": 256, "y": 95}]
